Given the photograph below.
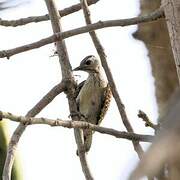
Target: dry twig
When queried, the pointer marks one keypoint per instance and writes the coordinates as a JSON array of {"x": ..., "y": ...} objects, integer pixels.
[
  {"x": 36, "y": 19},
  {"x": 76, "y": 124},
  {"x": 147, "y": 121},
  {"x": 99, "y": 25}
]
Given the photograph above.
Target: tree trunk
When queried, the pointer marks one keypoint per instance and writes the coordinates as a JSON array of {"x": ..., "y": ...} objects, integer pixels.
[
  {"x": 172, "y": 14},
  {"x": 156, "y": 38}
]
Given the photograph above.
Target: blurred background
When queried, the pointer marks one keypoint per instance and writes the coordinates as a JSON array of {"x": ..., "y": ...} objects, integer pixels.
[{"x": 50, "y": 153}]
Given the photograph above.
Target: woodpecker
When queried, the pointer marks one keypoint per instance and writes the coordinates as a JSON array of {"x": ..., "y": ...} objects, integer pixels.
[{"x": 93, "y": 96}]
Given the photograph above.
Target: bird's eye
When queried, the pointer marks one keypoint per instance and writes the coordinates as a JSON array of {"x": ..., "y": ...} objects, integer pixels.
[{"x": 88, "y": 62}]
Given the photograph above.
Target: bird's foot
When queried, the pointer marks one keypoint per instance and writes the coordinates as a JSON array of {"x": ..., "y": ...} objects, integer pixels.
[{"x": 80, "y": 115}]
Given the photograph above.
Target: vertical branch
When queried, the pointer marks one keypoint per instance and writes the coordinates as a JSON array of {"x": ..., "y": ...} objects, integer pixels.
[
  {"x": 102, "y": 56},
  {"x": 70, "y": 83},
  {"x": 171, "y": 10}
]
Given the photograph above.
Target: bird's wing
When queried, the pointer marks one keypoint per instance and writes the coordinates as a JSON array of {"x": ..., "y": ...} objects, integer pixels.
[
  {"x": 78, "y": 88},
  {"x": 105, "y": 104}
]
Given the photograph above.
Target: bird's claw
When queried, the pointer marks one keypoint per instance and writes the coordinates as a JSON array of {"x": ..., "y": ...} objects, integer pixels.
[{"x": 80, "y": 115}]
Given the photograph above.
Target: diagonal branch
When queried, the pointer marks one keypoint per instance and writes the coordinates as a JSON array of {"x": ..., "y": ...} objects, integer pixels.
[
  {"x": 112, "y": 84},
  {"x": 36, "y": 19},
  {"x": 76, "y": 124},
  {"x": 21, "y": 128},
  {"x": 56, "y": 90},
  {"x": 84, "y": 29},
  {"x": 68, "y": 77}
]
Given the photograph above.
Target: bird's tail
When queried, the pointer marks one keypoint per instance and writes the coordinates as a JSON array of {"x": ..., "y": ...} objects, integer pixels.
[
  {"x": 87, "y": 139},
  {"x": 87, "y": 135}
]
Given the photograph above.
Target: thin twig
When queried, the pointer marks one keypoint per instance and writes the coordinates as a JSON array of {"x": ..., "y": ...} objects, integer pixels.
[
  {"x": 36, "y": 19},
  {"x": 84, "y": 29},
  {"x": 148, "y": 122},
  {"x": 112, "y": 84},
  {"x": 21, "y": 128},
  {"x": 67, "y": 75},
  {"x": 76, "y": 124}
]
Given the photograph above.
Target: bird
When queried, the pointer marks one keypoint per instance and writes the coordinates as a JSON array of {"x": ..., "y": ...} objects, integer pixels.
[{"x": 93, "y": 96}]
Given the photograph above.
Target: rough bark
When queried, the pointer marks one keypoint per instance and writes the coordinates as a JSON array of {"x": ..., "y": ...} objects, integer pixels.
[{"x": 172, "y": 15}]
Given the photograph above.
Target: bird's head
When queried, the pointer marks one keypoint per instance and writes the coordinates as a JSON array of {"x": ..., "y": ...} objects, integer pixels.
[{"x": 89, "y": 64}]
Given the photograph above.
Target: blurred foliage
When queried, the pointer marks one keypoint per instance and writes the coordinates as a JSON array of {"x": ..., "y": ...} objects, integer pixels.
[{"x": 4, "y": 137}]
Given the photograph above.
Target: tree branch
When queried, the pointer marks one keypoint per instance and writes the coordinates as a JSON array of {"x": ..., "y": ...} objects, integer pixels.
[
  {"x": 148, "y": 122},
  {"x": 56, "y": 90},
  {"x": 36, "y": 19},
  {"x": 67, "y": 75},
  {"x": 84, "y": 29},
  {"x": 21, "y": 128},
  {"x": 76, "y": 124},
  {"x": 112, "y": 84}
]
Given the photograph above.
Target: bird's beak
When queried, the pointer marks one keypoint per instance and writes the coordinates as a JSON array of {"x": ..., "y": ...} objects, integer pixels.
[{"x": 79, "y": 68}]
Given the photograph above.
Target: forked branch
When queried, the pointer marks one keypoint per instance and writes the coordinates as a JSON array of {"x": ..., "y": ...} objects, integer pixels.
[{"x": 22, "y": 126}]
